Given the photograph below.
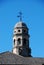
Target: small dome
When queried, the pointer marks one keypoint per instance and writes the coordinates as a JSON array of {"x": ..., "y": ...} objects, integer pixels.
[{"x": 20, "y": 24}]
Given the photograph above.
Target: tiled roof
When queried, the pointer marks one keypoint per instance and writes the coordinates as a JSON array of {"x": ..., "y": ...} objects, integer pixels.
[{"x": 10, "y": 58}]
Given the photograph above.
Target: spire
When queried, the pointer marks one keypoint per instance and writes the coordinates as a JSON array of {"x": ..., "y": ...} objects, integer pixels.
[{"x": 20, "y": 16}]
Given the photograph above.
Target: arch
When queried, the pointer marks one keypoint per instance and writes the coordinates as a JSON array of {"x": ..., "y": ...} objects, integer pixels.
[
  {"x": 19, "y": 41},
  {"x": 20, "y": 51},
  {"x": 24, "y": 42},
  {"x": 14, "y": 41}
]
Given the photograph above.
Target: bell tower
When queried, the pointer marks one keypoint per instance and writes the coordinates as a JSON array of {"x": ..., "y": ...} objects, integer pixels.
[{"x": 21, "y": 39}]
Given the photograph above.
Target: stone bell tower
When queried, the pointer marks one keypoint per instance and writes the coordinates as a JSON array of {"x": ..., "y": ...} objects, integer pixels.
[{"x": 21, "y": 39}]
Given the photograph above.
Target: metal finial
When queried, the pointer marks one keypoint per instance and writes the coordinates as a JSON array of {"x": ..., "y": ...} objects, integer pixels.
[{"x": 20, "y": 16}]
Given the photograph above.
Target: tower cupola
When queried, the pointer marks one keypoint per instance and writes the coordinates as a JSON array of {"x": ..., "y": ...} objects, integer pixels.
[{"x": 21, "y": 40}]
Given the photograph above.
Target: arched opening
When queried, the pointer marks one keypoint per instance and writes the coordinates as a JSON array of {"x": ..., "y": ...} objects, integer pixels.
[
  {"x": 14, "y": 41},
  {"x": 24, "y": 31},
  {"x": 18, "y": 30},
  {"x": 29, "y": 51},
  {"x": 24, "y": 42},
  {"x": 20, "y": 51},
  {"x": 19, "y": 41}
]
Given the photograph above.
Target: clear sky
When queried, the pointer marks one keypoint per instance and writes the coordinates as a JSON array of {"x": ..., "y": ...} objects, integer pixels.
[{"x": 33, "y": 16}]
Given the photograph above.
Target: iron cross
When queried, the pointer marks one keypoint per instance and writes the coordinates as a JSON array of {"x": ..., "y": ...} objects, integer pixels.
[{"x": 20, "y": 16}]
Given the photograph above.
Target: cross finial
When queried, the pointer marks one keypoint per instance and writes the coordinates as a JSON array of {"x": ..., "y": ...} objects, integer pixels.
[{"x": 20, "y": 16}]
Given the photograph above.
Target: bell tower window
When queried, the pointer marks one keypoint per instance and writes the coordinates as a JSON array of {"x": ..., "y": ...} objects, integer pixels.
[
  {"x": 24, "y": 42},
  {"x": 25, "y": 31},
  {"x": 20, "y": 51},
  {"x": 18, "y": 30},
  {"x": 19, "y": 41},
  {"x": 14, "y": 41}
]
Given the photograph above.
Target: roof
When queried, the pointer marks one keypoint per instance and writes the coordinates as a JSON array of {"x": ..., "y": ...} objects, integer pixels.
[
  {"x": 10, "y": 58},
  {"x": 20, "y": 24}
]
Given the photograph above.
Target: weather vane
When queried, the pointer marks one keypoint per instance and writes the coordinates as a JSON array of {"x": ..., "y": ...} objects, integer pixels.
[{"x": 20, "y": 16}]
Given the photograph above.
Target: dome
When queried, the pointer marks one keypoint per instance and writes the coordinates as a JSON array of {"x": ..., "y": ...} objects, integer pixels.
[{"x": 20, "y": 24}]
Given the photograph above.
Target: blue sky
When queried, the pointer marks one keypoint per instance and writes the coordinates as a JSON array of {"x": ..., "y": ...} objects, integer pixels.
[{"x": 33, "y": 16}]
